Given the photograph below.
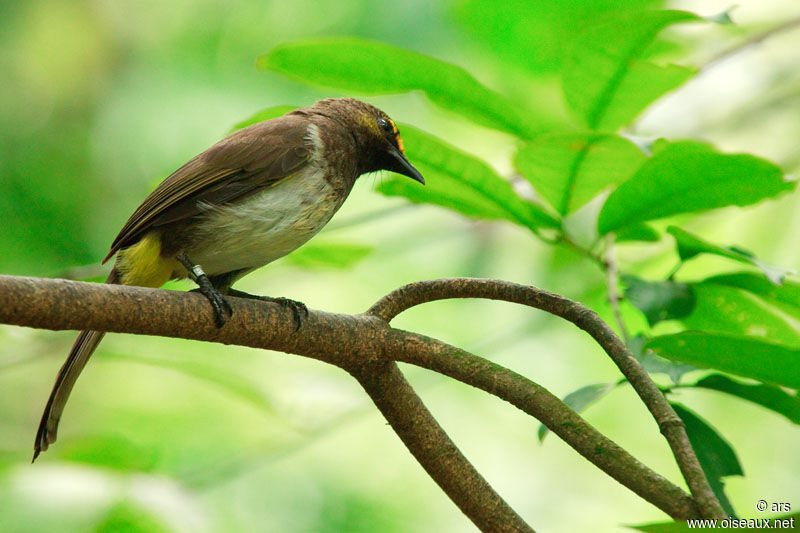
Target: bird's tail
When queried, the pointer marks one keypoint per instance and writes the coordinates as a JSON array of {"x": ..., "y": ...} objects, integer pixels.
[{"x": 81, "y": 351}]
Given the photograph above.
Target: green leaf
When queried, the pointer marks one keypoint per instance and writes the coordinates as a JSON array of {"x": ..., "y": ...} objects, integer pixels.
[
  {"x": 533, "y": 34},
  {"x": 638, "y": 232},
  {"x": 582, "y": 398},
  {"x": 461, "y": 182},
  {"x": 655, "y": 364},
  {"x": 769, "y": 396},
  {"x": 735, "y": 354},
  {"x": 442, "y": 190},
  {"x": 688, "y": 176},
  {"x": 605, "y": 78},
  {"x": 329, "y": 255},
  {"x": 715, "y": 455},
  {"x": 723, "y": 309},
  {"x": 785, "y": 297},
  {"x": 569, "y": 169},
  {"x": 370, "y": 67},
  {"x": 264, "y": 114},
  {"x": 690, "y": 246},
  {"x": 659, "y": 300}
]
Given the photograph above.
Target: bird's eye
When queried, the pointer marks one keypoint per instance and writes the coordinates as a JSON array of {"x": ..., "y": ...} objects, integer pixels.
[{"x": 385, "y": 125}]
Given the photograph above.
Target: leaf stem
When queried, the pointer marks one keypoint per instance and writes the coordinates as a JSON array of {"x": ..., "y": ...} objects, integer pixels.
[{"x": 612, "y": 286}]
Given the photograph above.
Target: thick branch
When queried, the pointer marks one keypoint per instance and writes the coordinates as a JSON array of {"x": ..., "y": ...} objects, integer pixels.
[
  {"x": 359, "y": 344},
  {"x": 434, "y": 450},
  {"x": 669, "y": 423},
  {"x": 352, "y": 343}
]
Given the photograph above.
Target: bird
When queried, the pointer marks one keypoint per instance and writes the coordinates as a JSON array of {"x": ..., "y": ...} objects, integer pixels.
[{"x": 249, "y": 199}]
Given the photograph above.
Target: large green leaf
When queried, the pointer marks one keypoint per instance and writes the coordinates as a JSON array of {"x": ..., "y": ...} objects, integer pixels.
[
  {"x": 569, "y": 169},
  {"x": 605, "y": 78},
  {"x": 370, "y": 67},
  {"x": 638, "y": 232},
  {"x": 724, "y": 309},
  {"x": 736, "y": 354},
  {"x": 785, "y": 296},
  {"x": 690, "y": 246},
  {"x": 659, "y": 300},
  {"x": 533, "y": 34},
  {"x": 461, "y": 182},
  {"x": 769, "y": 396},
  {"x": 689, "y": 176},
  {"x": 715, "y": 455}
]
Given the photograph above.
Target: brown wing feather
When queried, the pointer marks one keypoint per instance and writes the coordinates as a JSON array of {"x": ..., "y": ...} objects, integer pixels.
[{"x": 254, "y": 157}]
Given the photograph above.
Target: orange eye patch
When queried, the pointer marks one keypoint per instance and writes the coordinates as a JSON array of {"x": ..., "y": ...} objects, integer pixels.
[{"x": 397, "y": 137}]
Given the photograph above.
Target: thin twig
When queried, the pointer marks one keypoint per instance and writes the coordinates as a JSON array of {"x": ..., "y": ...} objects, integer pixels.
[
  {"x": 569, "y": 243},
  {"x": 751, "y": 41},
  {"x": 612, "y": 286}
]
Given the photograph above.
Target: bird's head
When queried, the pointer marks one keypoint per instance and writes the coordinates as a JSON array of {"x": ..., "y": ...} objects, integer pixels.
[{"x": 377, "y": 138}]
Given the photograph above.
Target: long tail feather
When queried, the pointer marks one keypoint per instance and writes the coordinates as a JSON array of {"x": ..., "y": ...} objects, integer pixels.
[{"x": 81, "y": 351}]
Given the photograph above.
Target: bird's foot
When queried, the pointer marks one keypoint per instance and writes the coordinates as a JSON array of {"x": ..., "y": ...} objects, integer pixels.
[
  {"x": 299, "y": 309},
  {"x": 219, "y": 304},
  {"x": 221, "y": 307}
]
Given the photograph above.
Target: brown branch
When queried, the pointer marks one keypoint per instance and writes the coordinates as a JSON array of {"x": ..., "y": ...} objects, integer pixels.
[
  {"x": 434, "y": 450},
  {"x": 669, "y": 423},
  {"x": 552, "y": 412},
  {"x": 354, "y": 343},
  {"x": 361, "y": 345}
]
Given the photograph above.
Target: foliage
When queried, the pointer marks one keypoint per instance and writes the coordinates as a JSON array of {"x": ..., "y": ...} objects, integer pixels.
[{"x": 735, "y": 323}]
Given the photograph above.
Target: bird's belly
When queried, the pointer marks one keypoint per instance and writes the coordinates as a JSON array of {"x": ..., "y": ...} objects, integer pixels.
[{"x": 265, "y": 226}]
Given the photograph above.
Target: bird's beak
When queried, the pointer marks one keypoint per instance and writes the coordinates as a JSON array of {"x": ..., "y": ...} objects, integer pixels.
[{"x": 402, "y": 166}]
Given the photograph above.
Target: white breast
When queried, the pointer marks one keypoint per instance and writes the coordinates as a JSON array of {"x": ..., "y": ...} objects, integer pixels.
[{"x": 265, "y": 226}]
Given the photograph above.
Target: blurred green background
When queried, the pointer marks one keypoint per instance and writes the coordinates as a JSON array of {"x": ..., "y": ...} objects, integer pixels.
[{"x": 102, "y": 99}]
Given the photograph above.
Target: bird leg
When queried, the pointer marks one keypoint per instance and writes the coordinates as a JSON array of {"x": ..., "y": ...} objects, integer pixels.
[
  {"x": 222, "y": 309},
  {"x": 298, "y": 308}
]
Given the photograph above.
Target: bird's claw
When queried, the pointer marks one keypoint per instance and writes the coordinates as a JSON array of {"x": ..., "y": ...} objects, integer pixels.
[
  {"x": 299, "y": 309},
  {"x": 219, "y": 304}
]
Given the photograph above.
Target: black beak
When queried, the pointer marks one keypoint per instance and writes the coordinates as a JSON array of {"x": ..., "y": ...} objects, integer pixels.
[{"x": 402, "y": 166}]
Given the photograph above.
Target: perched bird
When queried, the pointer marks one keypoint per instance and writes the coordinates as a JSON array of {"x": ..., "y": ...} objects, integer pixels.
[{"x": 251, "y": 198}]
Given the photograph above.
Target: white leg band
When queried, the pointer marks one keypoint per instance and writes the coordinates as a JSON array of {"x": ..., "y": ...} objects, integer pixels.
[{"x": 197, "y": 272}]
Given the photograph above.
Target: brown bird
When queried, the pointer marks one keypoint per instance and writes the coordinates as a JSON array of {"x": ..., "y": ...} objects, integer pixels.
[{"x": 251, "y": 198}]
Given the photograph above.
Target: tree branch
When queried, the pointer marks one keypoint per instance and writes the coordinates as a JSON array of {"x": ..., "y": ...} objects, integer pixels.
[
  {"x": 354, "y": 343},
  {"x": 434, "y": 450},
  {"x": 362, "y": 345},
  {"x": 540, "y": 403},
  {"x": 669, "y": 423}
]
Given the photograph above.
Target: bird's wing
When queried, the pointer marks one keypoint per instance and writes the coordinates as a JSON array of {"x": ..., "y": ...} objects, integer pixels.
[{"x": 252, "y": 158}]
